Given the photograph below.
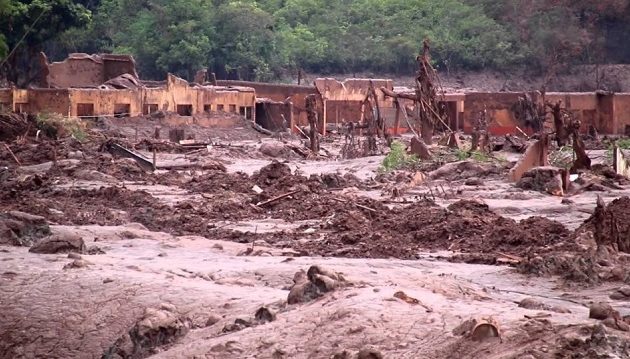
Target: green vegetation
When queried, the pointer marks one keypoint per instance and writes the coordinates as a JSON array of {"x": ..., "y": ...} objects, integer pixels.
[
  {"x": 478, "y": 156},
  {"x": 271, "y": 39},
  {"x": 57, "y": 126},
  {"x": 397, "y": 158},
  {"x": 622, "y": 143},
  {"x": 26, "y": 27}
]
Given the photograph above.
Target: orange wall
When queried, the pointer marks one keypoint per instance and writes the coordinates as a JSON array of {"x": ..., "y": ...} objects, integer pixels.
[{"x": 621, "y": 112}]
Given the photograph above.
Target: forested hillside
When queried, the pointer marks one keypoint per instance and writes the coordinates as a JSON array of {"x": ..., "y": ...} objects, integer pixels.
[{"x": 268, "y": 39}]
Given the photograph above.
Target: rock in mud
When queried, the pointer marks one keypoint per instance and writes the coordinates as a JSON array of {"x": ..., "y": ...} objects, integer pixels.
[
  {"x": 94, "y": 250},
  {"x": 238, "y": 325},
  {"x": 274, "y": 150},
  {"x": 601, "y": 311},
  {"x": 474, "y": 182},
  {"x": 534, "y": 304},
  {"x": 157, "y": 327},
  {"x": 313, "y": 284},
  {"x": 76, "y": 264},
  {"x": 265, "y": 315},
  {"x": 543, "y": 179},
  {"x": 616, "y": 323},
  {"x": 212, "y": 320},
  {"x": 622, "y": 293},
  {"x": 333, "y": 180},
  {"x": 60, "y": 243},
  {"x": 21, "y": 229},
  {"x": 369, "y": 354}
]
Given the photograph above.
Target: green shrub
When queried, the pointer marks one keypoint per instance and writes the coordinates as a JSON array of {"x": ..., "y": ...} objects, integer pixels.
[
  {"x": 58, "y": 126},
  {"x": 397, "y": 158}
]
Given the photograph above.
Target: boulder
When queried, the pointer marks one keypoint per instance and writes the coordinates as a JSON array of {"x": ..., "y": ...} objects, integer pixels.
[
  {"x": 60, "y": 243},
  {"x": 274, "y": 150},
  {"x": 622, "y": 293},
  {"x": 601, "y": 311}
]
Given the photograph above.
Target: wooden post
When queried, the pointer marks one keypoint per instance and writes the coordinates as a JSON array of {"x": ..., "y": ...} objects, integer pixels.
[
  {"x": 312, "y": 120},
  {"x": 324, "y": 119},
  {"x": 291, "y": 118},
  {"x": 397, "y": 121}
]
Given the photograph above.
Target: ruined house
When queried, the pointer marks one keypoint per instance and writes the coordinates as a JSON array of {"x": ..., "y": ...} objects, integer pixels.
[{"x": 107, "y": 85}]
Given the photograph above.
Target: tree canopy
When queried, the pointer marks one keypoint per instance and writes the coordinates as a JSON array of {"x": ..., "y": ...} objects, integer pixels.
[{"x": 269, "y": 39}]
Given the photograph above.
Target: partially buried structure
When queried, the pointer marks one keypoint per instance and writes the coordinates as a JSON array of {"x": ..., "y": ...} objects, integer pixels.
[{"x": 107, "y": 85}]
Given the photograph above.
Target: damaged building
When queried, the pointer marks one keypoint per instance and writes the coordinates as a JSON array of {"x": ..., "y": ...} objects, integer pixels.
[{"x": 108, "y": 85}]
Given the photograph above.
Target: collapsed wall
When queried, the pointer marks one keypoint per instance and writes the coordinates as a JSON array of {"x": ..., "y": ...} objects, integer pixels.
[{"x": 108, "y": 85}]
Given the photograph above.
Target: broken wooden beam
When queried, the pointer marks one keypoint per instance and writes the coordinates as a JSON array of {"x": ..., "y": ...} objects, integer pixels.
[
  {"x": 12, "y": 154},
  {"x": 118, "y": 150},
  {"x": 277, "y": 198},
  {"x": 356, "y": 204},
  {"x": 260, "y": 129}
]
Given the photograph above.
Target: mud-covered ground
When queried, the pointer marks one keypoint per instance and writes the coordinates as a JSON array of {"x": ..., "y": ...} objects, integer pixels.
[{"x": 199, "y": 259}]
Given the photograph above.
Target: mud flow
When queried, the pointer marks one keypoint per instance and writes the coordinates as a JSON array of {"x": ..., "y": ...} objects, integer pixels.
[{"x": 115, "y": 244}]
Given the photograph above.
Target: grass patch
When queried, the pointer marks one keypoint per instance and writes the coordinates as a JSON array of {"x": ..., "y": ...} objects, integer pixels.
[
  {"x": 477, "y": 156},
  {"x": 397, "y": 158}
]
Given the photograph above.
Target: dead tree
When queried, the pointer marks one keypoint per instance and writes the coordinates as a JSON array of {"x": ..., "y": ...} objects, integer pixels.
[
  {"x": 480, "y": 136},
  {"x": 568, "y": 129},
  {"x": 562, "y": 135},
  {"x": 530, "y": 113},
  {"x": 373, "y": 121},
  {"x": 582, "y": 161},
  {"x": 426, "y": 94},
  {"x": 311, "y": 114},
  {"x": 427, "y": 107}
]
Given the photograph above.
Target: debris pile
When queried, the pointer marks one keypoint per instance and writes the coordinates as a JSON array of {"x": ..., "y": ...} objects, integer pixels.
[
  {"x": 314, "y": 283},
  {"x": 157, "y": 328},
  {"x": 466, "y": 226},
  {"x": 21, "y": 229}
]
